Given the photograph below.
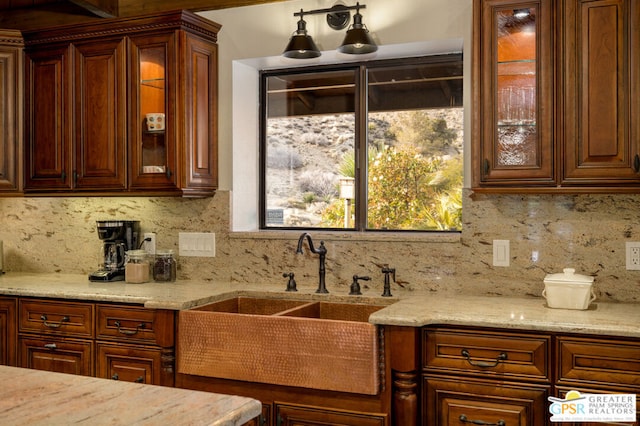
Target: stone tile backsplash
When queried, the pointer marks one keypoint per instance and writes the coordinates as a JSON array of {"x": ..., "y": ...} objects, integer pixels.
[{"x": 547, "y": 233}]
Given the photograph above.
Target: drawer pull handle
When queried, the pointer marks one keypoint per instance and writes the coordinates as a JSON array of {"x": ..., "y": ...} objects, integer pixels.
[
  {"x": 53, "y": 324},
  {"x": 483, "y": 364},
  {"x": 464, "y": 419},
  {"x": 138, "y": 380},
  {"x": 129, "y": 332},
  {"x": 51, "y": 346}
]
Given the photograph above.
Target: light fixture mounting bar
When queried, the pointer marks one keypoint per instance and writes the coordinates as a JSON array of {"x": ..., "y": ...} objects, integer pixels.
[{"x": 337, "y": 8}]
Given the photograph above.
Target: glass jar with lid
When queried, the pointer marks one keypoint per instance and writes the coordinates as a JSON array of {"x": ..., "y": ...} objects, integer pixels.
[
  {"x": 137, "y": 267},
  {"x": 164, "y": 266}
]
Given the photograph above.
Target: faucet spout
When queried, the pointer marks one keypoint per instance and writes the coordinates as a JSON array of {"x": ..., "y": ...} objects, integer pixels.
[{"x": 321, "y": 251}]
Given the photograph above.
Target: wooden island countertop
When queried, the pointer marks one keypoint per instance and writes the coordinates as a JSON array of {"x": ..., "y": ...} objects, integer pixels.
[{"x": 33, "y": 397}]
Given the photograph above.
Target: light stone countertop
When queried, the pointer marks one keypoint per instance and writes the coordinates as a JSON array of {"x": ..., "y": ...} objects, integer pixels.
[
  {"x": 34, "y": 397},
  {"x": 526, "y": 313},
  {"x": 414, "y": 309}
]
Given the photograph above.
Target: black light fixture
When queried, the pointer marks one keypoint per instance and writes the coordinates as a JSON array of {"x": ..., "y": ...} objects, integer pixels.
[
  {"x": 301, "y": 45},
  {"x": 357, "y": 41}
]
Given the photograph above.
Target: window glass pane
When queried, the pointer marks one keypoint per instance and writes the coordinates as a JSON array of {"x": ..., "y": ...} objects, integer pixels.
[
  {"x": 309, "y": 146},
  {"x": 415, "y": 163},
  {"x": 377, "y": 146}
]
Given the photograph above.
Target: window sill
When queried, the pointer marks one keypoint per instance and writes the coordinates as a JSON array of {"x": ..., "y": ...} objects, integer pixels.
[{"x": 410, "y": 237}]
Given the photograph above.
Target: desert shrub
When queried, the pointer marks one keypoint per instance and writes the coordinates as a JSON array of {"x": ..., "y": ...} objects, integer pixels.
[
  {"x": 318, "y": 139},
  {"x": 323, "y": 185},
  {"x": 284, "y": 158}
]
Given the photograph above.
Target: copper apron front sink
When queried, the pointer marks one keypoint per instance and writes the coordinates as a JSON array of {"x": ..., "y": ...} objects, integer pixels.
[{"x": 316, "y": 345}]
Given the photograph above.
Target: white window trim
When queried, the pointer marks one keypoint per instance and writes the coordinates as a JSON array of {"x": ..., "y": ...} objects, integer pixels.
[{"x": 246, "y": 117}]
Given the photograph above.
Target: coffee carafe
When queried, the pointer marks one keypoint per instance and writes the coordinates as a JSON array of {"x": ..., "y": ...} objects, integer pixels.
[{"x": 118, "y": 237}]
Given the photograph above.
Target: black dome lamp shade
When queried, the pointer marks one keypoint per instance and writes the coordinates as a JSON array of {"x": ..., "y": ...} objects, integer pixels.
[
  {"x": 301, "y": 45},
  {"x": 357, "y": 41}
]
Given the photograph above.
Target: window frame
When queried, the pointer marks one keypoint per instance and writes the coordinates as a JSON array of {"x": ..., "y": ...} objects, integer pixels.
[{"x": 360, "y": 134}]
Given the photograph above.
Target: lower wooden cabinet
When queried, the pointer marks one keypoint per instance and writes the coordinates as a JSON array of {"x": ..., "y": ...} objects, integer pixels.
[
  {"x": 115, "y": 341},
  {"x": 487, "y": 376},
  {"x": 483, "y": 376},
  {"x": 456, "y": 401}
]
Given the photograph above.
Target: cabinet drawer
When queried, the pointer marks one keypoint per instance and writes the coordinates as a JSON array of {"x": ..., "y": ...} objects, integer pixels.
[
  {"x": 135, "y": 324},
  {"x": 293, "y": 415},
  {"x": 608, "y": 362},
  {"x": 486, "y": 353},
  {"x": 51, "y": 317},
  {"x": 451, "y": 401},
  {"x": 131, "y": 363},
  {"x": 56, "y": 354}
]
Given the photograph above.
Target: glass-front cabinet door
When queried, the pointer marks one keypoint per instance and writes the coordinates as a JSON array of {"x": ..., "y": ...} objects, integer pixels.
[
  {"x": 513, "y": 93},
  {"x": 152, "y": 144}
]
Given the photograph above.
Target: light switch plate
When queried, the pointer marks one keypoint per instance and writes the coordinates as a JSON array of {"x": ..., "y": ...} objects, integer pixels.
[
  {"x": 500, "y": 252},
  {"x": 197, "y": 244}
]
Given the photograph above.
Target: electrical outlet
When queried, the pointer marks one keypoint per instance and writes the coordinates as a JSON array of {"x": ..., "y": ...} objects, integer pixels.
[
  {"x": 149, "y": 246},
  {"x": 633, "y": 255},
  {"x": 500, "y": 252}
]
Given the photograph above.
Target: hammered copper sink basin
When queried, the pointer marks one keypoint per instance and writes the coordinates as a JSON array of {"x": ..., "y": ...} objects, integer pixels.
[{"x": 312, "y": 344}]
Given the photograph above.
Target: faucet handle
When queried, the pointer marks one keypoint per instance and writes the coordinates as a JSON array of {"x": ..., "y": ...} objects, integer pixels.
[
  {"x": 291, "y": 284},
  {"x": 355, "y": 286},
  {"x": 386, "y": 270},
  {"x": 387, "y": 283}
]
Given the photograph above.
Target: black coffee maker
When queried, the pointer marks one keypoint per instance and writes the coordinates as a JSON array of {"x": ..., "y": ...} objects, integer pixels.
[{"x": 118, "y": 237}]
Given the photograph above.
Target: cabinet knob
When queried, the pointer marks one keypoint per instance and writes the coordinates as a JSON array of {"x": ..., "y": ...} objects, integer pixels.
[{"x": 115, "y": 377}]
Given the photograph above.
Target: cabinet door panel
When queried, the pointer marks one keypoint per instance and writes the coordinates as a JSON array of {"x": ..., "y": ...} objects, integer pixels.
[
  {"x": 130, "y": 363},
  {"x": 8, "y": 340},
  {"x": 300, "y": 415},
  {"x": 11, "y": 119},
  {"x": 48, "y": 107},
  {"x": 513, "y": 94},
  {"x": 153, "y": 89},
  {"x": 455, "y": 401},
  {"x": 56, "y": 354},
  {"x": 200, "y": 139},
  {"x": 100, "y": 120},
  {"x": 598, "y": 47}
]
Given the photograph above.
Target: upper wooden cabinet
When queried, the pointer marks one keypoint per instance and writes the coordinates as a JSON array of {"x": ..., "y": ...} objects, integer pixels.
[
  {"x": 11, "y": 105},
  {"x": 123, "y": 106},
  {"x": 555, "y": 96}
]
